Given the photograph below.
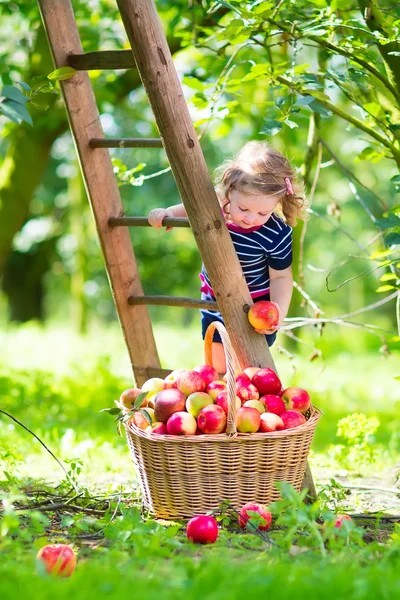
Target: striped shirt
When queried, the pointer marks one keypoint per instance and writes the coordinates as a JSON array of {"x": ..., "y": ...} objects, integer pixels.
[{"x": 258, "y": 248}]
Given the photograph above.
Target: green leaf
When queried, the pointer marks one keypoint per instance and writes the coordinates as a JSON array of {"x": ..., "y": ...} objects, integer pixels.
[
  {"x": 114, "y": 410},
  {"x": 396, "y": 178},
  {"x": 304, "y": 100},
  {"x": 15, "y": 111},
  {"x": 388, "y": 277},
  {"x": 24, "y": 85},
  {"x": 271, "y": 127},
  {"x": 320, "y": 109},
  {"x": 139, "y": 400},
  {"x": 146, "y": 415},
  {"x": 290, "y": 123},
  {"x": 194, "y": 83},
  {"x": 385, "y": 288},
  {"x": 380, "y": 254},
  {"x": 13, "y": 93},
  {"x": 62, "y": 74},
  {"x": 393, "y": 239},
  {"x": 40, "y": 102},
  {"x": 391, "y": 221}
]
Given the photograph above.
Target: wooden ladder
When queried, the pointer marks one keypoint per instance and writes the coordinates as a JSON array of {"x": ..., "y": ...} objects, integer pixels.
[{"x": 150, "y": 54}]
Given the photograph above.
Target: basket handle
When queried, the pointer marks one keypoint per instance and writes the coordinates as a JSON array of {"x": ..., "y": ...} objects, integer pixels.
[{"x": 230, "y": 357}]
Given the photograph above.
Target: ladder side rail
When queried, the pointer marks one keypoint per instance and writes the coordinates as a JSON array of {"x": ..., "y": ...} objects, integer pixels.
[{"x": 102, "y": 189}]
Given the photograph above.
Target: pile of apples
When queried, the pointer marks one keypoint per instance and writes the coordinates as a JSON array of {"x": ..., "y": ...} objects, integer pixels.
[{"x": 194, "y": 402}]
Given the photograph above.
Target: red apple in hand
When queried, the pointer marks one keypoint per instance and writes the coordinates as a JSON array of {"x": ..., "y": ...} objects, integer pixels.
[
  {"x": 58, "y": 559},
  {"x": 264, "y": 315},
  {"x": 296, "y": 398},
  {"x": 292, "y": 418},
  {"x": 244, "y": 515},
  {"x": 267, "y": 382},
  {"x": 202, "y": 530},
  {"x": 273, "y": 404}
]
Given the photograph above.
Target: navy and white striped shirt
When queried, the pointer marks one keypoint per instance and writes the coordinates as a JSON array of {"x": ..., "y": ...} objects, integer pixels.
[{"x": 258, "y": 248}]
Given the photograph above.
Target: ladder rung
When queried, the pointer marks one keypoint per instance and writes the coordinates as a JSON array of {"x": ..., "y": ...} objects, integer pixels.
[
  {"x": 103, "y": 59},
  {"x": 143, "y": 222},
  {"x": 125, "y": 143},
  {"x": 148, "y": 372},
  {"x": 173, "y": 301}
]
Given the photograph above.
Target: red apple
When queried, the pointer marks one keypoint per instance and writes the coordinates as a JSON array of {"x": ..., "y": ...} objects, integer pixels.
[
  {"x": 237, "y": 373},
  {"x": 58, "y": 559},
  {"x": 267, "y": 382},
  {"x": 153, "y": 386},
  {"x": 202, "y": 530},
  {"x": 263, "y": 315},
  {"x": 245, "y": 389},
  {"x": 247, "y": 419},
  {"x": 292, "y": 418},
  {"x": 168, "y": 402},
  {"x": 222, "y": 401},
  {"x": 157, "y": 428},
  {"x": 216, "y": 387},
  {"x": 270, "y": 422},
  {"x": 171, "y": 379},
  {"x": 273, "y": 404},
  {"x": 128, "y": 399},
  {"x": 340, "y": 520},
  {"x": 262, "y": 510},
  {"x": 250, "y": 371},
  {"x": 207, "y": 372},
  {"x": 189, "y": 382},
  {"x": 212, "y": 419},
  {"x": 181, "y": 423},
  {"x": 195, "y": 402},
  {"x": 296, "y": 398},
  {"x": 255, "y": 404}
]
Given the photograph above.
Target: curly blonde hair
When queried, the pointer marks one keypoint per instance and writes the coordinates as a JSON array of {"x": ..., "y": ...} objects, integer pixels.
[{"x": 260, "y": 168}]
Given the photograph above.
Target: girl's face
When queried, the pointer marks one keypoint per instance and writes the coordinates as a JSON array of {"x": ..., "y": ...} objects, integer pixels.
[{"x": 250, "y": 210}]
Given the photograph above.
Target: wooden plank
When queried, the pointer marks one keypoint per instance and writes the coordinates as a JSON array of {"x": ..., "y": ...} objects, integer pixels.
[
  {"x": 103, "y": 59},
  {"x": 157, "y": 71},
  {"x": 177, "y": 301},
  {"x": 143, "y": 222},
  {"x": 126, "y": 143},
  {"x": 102, "y": 189}
]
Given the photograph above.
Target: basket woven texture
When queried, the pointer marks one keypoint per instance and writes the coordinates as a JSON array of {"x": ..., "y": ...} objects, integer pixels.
[{"x": 182, "y": 476}]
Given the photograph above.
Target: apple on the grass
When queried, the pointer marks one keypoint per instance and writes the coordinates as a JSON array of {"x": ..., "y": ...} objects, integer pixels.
[
  {"x": 270, "y": 422},
  {"x": 202, "y": 530},
  {"x": 189, "y": 382},
  {"x": 128, "y": 399},
  {"x": 207, "y": 372},
  {"x": 171, "y": 380},
  {"x": 255, "y": 404},
  {"x": 340, "y": 519},
  {"x": 212, "y": 419},
  {"x": 245, "y": 389},
  {"x": 247, "y": 419},
  {"x": 216, "y": 387},
  {"x": 58, "y": 559},
  {"x": 267, "y": 382},
  {"x": 292, "y": 418},
  {"x": 273, "y": 404},
  {"x": 157, "y": 428},
  {"x": 245, "y": 515},
  {"x": 296, "y": 398},
  {"x": 167, "y": 402},
  {"x": 264, "y": 315},
  {"x": 196, "y": 401},
  {"x": 181, "y": 423},
  {"x": 222, "y": 401}
]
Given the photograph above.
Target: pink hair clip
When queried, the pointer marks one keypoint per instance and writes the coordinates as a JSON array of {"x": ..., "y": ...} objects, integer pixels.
[{"x": 289, "y": 186}]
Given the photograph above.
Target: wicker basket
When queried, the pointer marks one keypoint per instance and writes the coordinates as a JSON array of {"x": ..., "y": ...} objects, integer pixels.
[{"x": 181, "y": 476}]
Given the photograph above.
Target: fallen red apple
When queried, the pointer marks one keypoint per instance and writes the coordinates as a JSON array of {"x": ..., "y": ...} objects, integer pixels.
[
  {"x": 245, "y": 389},
  {"x": 128, "y": 399},
  {"x": 267, "y": 382},
  {"x": 296, "y": 398},
  {"x": 215, "y": 387},
  {"x": 212, "y": 419},
  {"x": 157, "y": 428},
  {"x": 222, "y": 401},
  {"x": 270, "y": 422},
  {"x": 292, "y": 418},
  {"x": 255, "y": 404},
  {"x": 264, "y": 315},
  {"x": 59, "y": 559},
  {"x": 168, "y": 402},
  {"x": 196, "y": 401},
  {"x": 181, "y": 423},
  {"x": 202, "y": 530},
  {"x": 340, "y": 519},
  {"x": 273, "y": 404},
  {"x": 262, "y": 510},
  {"x": 189, "y": 382},
  {"x": 247, "y": 419},
  {"x": 207, "y": 372}
]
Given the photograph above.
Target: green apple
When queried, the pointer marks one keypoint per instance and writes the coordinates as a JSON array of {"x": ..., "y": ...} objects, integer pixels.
[{"x": 196, "y": 401}]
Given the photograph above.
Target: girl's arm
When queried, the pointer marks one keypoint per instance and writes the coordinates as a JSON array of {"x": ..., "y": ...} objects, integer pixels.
[
  {"x": 280, "y": 291},
  {"x": 157, "y": 215}
]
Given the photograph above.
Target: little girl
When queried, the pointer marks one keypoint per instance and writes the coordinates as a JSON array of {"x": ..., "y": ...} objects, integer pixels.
[{"x": 252, "y": 188}]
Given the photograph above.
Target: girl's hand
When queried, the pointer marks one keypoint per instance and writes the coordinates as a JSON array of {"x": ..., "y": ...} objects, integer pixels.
[
  {"x": 277, "y": 326},
  {"x": 157, "y": 215}
]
